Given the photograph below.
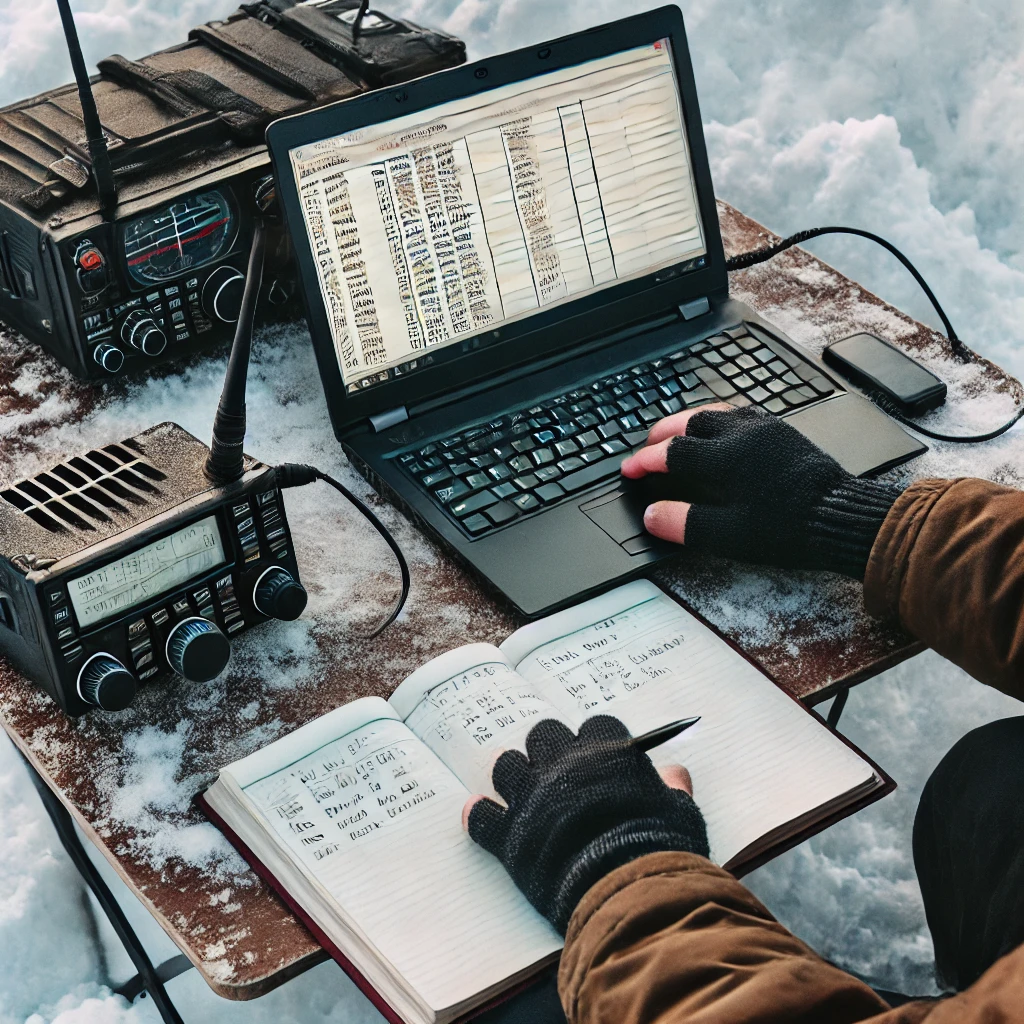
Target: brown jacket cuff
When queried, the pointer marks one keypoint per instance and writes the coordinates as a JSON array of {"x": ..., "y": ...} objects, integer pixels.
[
  {"x": 948, "y": 562},
  {"x": 890, "y": 554}
]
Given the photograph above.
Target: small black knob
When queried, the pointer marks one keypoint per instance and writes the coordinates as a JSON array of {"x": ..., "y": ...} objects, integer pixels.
[
  {"x": 142, "y": 332},
  {"x": 197, "y": 650},
  {"x": 222, "y": 294},
  {"x": 279, "y": 595},
  {"x": 110, "y": 357},
  {"x": 105, "y": 682}
]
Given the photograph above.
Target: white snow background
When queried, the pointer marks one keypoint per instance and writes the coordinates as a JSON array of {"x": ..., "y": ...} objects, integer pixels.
[{"x": 906, "y": 118}]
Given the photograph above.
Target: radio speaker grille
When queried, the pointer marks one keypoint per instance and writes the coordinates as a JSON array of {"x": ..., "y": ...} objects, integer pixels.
[{"x": 96, "y": 487}]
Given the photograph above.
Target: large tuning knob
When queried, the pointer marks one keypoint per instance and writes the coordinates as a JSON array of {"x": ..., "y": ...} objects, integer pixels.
[
  {"x": 222, "y": 294},
  {"x": 142, "y": 332},
  {"x": 197, "y": 649},
  {"x": 105, "y": 682},
  {"x": 279, "y": 595}
]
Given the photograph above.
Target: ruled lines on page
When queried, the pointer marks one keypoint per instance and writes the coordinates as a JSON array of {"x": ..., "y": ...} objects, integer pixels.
[
  {"x": 375, "y": 818},
  {"x": 435, "y": 227}
]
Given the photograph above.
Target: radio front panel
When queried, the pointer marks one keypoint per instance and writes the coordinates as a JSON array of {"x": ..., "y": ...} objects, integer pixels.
[
  {"x": 253, "y": 539},
  {"x": 161, "y": 284}
]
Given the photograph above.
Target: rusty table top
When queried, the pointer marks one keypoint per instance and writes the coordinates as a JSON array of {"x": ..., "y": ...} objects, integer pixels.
[{"x": 128, "y": 778}]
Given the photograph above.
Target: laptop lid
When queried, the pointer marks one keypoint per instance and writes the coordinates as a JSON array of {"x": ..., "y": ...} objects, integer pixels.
[{"x": 490, "y": 215}]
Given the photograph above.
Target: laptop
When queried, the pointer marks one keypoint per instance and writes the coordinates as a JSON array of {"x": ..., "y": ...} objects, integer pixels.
[{"x": 511, "y": 270}]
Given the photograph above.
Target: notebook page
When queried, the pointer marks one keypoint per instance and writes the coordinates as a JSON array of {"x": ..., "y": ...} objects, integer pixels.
[
  {"x": 468, "y": 705},
  {"x": 375, "y": 818},
  {"x": 758, "y": 760}
]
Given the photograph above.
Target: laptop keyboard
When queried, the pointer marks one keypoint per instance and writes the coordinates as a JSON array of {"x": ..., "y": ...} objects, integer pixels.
[{"x": 493, "y": 473}]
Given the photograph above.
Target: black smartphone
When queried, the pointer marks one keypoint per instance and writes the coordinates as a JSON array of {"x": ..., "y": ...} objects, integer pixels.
[{"x": 886, "y": 373}]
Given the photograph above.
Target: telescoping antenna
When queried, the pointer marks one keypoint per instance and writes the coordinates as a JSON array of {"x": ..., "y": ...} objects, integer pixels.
[{"x": 102, "y": 171}]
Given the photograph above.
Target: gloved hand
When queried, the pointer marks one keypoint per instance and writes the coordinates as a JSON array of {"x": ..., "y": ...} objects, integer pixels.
[
  {"x": 759, "y": 491},
  {"x": 579, "y": 807}
]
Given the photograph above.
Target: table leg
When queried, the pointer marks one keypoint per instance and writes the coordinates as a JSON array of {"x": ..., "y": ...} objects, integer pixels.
[
  {"x": 151, "y": 978},
  {"x": 838, "y": 704}
]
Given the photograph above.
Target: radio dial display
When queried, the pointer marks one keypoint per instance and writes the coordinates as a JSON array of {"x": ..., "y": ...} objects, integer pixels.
[
  {"x": 148, "y": 572},
  {"x": 179, "y": 238}
]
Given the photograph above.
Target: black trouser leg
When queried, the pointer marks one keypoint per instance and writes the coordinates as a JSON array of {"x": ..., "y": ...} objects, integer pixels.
[{"x": 969, "y": 852}]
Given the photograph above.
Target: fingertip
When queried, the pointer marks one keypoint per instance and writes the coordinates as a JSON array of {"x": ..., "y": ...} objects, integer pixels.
[
  {"x": 666, "y": 520},
  {"x": 675, "y": 776},
  {"x": 467, "y": 807}
]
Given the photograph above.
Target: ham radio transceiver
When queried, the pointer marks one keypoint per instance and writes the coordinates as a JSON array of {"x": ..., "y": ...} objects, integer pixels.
[
  {"x": 126, "y": 563},
  {"x": 124, "y": 226}
]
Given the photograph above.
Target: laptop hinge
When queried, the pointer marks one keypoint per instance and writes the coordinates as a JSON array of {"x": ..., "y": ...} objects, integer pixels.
[
  {"x": 387, "y": 419},
  {"x": 695, "y": 308}
]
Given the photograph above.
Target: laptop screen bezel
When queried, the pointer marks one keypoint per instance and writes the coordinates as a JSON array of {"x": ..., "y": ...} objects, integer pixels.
[{"x": 545, "y": 332}]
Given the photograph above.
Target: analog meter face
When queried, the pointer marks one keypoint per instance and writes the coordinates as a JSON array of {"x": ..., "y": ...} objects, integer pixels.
[{"x": 178, "y": 238}]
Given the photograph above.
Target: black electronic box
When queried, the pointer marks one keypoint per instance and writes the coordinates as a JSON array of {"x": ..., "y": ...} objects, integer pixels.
[
  {"x": 112, "y": 277},
  {"x": 125, "y": 565}
]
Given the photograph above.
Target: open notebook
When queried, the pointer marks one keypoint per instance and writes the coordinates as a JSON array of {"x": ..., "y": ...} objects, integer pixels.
[{"x": 355, "y": 817}]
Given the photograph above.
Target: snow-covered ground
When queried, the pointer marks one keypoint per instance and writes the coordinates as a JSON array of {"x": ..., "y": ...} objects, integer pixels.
[{"x": 905, "y": 118}]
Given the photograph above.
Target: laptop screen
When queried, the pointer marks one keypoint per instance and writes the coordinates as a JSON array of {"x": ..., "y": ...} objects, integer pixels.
[{"x": 432, "y": 231}]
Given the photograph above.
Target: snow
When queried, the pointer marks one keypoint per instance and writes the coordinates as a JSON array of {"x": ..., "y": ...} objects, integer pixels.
[{"x": 906, "y": 118}]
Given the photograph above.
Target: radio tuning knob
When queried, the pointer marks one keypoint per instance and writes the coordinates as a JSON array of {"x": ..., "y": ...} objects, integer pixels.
[
  {"x": 222, "y": 294},
  {"x": 110, "y": 357},
  {"x": 105, "y": 682},
  {"x": 197, "y": 650},
  {"x": 279, "y": 595},
  {"x": 142, "y": 332}
]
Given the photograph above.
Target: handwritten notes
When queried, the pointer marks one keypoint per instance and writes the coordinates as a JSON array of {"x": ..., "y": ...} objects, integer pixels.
[
  {"x": 435, "y": 227},
  {"x": 613, "y": 659},
  {"x": 469, "y": 718},
  {"x": 350, "y": 789}
]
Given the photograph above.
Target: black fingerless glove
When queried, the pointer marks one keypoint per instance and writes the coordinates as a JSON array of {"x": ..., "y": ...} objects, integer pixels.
[
  {"x": 764, "y": 493},
  {"x": 579, "y": 807}
]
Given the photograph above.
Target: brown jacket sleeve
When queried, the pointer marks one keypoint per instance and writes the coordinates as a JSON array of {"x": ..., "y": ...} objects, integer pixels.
[
  {"x": 949, "y": 563},
  {"x": 672, "y": 939}
]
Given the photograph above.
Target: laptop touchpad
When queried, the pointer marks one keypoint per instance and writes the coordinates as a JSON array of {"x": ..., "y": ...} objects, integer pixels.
[{"x": 621, "y": 515}]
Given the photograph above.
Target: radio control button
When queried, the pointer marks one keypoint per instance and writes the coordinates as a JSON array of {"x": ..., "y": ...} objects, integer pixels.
[
  {"x": 110, "y": 357},
  {"x": 202, "y": 596},
  {"x": 144, "y": 660},
  {"x": 137, "y": 629},
  {"x": 244, "y": 524},
  {"x": 240, "y": 510},
  {"x": 266, "y": 497},
  {"x": 172, "y": 290},
  {"x": 65, "y": 634},
  {"x": 105, "y": 682},
  {"x": 192, "y": 282},
  {"x": 278, "y": 595},
  {"x": 56, "y": 596},
  {"x": 160, "y": 616},
  {"x": 153, "y": 297},
  {"x": 62, "y": 616},
  {"x": 182, "y": 607},
  {"x": 73, "y": 653},
  {"x": 247, "y": 539},
  {"x": 149, "y": 673},
  {"x": 197, "y": 650},
  {"x": 235, "y": 626}
]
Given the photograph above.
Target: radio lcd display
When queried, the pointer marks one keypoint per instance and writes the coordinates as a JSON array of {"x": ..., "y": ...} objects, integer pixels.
[{"x": 148, "y": 572}]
